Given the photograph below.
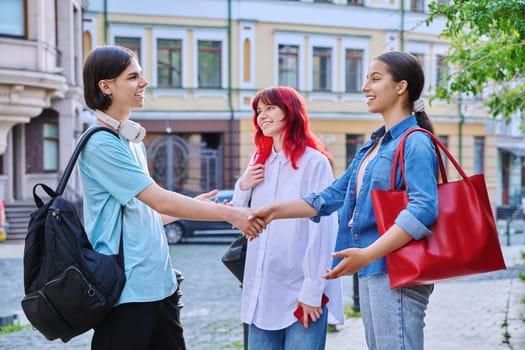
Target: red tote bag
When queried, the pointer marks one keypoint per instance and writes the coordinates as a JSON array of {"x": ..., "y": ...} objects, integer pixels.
[{"x": 464, "y": 238}]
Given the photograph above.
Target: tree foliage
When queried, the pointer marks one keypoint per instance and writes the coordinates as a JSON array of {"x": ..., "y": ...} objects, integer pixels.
[{"x": 487, "y": 52}]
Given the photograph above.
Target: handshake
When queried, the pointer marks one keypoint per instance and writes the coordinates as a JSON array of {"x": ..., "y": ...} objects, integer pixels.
[{"x": 252, "y": 221}]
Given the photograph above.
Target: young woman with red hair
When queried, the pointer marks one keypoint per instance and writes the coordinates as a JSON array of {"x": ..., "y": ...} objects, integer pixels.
[{"x": 283, "y": 271}]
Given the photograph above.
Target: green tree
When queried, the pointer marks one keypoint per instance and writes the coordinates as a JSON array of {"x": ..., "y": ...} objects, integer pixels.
[{"x": 487, "y": 52}]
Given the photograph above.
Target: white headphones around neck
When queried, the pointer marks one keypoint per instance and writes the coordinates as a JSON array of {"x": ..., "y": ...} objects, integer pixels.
[{"x": 128, "y": 129}]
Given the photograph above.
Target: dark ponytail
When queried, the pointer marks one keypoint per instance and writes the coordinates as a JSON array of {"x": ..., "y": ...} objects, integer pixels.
[{"x": 424, "y": 121}]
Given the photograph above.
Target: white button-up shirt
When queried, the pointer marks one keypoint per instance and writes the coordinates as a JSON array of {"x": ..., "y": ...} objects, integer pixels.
[{"x": 285, "y": 263}]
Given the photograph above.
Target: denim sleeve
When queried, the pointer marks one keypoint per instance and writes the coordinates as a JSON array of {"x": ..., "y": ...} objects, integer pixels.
[
  {"x": 330, "y": 199},
  {"x": 421, "y": 186}
]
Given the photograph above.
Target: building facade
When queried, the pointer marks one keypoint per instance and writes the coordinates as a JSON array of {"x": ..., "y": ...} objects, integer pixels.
[
  {"x": 40, "y": 91},
  {"x": 205, "y": 60}
]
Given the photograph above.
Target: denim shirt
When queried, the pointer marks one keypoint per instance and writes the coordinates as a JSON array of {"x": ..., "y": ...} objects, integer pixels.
[{"x": 421, "y": 168}]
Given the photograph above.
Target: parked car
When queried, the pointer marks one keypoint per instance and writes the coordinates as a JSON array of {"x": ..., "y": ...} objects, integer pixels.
[{"x": 203, "y": 231}]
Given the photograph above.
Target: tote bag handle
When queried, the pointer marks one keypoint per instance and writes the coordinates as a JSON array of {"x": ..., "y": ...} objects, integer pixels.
[{"x": 399, "y": 156}]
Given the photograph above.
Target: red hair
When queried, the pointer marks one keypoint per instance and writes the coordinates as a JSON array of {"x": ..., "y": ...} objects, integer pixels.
[{"x": 297, "y": 134}]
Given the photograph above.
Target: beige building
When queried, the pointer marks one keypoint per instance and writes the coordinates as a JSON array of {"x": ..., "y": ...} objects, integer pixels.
[
  {"x": 40, "y": 94},
  {"x": 205, "y": 59}
]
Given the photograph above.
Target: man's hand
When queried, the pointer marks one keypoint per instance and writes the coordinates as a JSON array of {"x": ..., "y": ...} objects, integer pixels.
[
  {"x": 249, "y": 227},
  {"x": 263, "y": 216}
]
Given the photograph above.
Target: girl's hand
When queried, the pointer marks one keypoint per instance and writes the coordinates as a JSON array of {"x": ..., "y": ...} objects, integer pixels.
[
  {"x": 251, "y": 228},
  {"x": 261, "y": 217},
  {"x": 312, "y": 313},
  {"x": 253, "y": 176},
  {"x": 207, "y": 195},
  {"x": 354, "y": 259}
]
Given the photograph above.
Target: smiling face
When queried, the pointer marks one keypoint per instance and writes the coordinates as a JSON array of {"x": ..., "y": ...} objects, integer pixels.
[
  {"x": 381, "y": 91},
  {"x": 271, "y": 120},
  {"x": 127, "y": 89}
]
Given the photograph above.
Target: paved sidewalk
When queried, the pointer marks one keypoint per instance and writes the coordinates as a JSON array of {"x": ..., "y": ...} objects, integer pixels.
[{"x": 464, "y": 314}]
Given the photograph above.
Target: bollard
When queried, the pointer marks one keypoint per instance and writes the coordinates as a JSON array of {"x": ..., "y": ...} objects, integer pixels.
[
  {"x": 508, "y": 232},
  {"x": 356, "y": 306},
  {"x": 178, "y": 292}
]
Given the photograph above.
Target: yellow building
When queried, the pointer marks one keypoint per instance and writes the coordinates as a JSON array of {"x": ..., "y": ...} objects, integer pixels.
[{"x": 206, "y": 59}]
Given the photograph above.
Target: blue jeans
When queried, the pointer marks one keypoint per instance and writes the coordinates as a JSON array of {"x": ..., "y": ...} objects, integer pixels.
[
  {"x": 393, "y": 318},
  {"x": 293, "y": 337}
]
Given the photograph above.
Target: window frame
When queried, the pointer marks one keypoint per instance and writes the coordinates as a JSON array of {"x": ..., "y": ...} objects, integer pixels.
[
  {"x": 136, "y": 48},
  {"x": 170, "y": 65},
  {"x": 47, "y": 142},
  {"x": 322, "y": 78},
  {"x": 282, "y": 55},
  {"x": 325, "y": 42},
  {"x": 417, "y": 5},
  {"x": 131, "y": 31},
  {"x": 424, "y": 49},
  {"x": 354, "y": 43},
  {"x": 356, "y": 140},
  {"x": 293, "y": 40},
  {"x": 358, "y": 77},
  {"x": 479, "y": 155},
  {"x": 214, "y": 51},
  {"x": 210, "y": 35}
]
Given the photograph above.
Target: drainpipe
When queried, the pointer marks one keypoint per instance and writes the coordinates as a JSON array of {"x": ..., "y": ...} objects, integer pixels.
[
  {"x": 402, "y": 30},
  {"x": 230, "y": 94},
  {"x": 461, "y": 122},
  {"x": 105, "y": 22}
]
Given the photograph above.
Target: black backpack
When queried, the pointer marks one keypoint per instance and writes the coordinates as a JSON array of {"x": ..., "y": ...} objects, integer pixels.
[{"x": 69, "y": 286}]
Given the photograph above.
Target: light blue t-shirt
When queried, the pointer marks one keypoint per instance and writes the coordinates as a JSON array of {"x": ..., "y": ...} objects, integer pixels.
[{"x": 113, "y": 171}]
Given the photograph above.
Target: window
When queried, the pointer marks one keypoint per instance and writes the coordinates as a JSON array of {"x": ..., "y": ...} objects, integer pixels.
[
  {"x": 355, "y": 2},
  {"x": 353, "y": 143},
  {"x": 479, "y": 154},
  {"x": 50, "y": 147},
  {"x": 322, "y": 69},
  {"x": 442, "y": 71},
  {"x": 246, "y": 71},
  {"x": 12, "y": 18},
  {"x": 169, "y": 62},
  {"x": 131, "y": 43},
  {"x": 288, "y": 61},
  {"x": 353, "y": 70},
  {"x": 209, "y": 64},
  {"x": 444, "y": 141},
  {"x": 417, "y": 5},
  {"x": 420, "y": 58}
]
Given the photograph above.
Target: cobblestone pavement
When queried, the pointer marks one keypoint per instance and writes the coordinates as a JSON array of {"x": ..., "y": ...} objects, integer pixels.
[
  {"x": 211, "y": 298},
  {"x": 466, "y": 314}
]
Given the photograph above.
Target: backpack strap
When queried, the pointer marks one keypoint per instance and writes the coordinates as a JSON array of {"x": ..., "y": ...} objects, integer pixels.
[
  {"x": 72, "y": 161},
  {"x": 67, "y": 173}
]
